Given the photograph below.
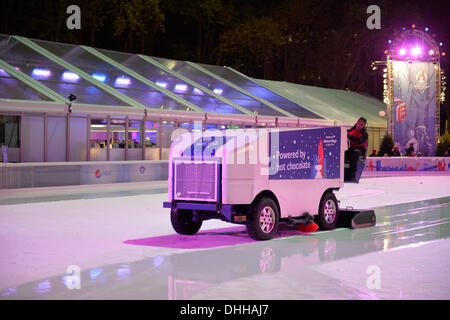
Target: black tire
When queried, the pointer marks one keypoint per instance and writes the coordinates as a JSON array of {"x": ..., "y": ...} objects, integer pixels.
[
  {"x": 262, "y": 223},
  {"x": 328, "y": 212},
  {"x": 183, "y": 223}
]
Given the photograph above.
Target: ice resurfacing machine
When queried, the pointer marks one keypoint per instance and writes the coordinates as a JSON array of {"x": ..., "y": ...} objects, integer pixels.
[{"x": 260, "y": 178}]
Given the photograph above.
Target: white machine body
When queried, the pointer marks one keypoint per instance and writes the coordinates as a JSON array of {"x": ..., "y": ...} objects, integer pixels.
[{"x": 231, "y": 168}]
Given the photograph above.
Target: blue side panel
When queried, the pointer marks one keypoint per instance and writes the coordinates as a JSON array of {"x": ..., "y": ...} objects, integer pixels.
[{"x": 305, "y": 154}]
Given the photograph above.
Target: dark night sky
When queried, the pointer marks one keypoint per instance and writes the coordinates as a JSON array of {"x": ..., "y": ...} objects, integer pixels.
[{"x": 315, "y": 42}]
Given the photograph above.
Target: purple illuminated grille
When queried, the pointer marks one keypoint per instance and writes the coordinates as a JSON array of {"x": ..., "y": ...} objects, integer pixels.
[{"x": 195, "y": 180}]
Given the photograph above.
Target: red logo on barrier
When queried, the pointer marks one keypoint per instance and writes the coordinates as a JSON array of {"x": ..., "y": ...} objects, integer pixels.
[{"x": 441, "y": 165}]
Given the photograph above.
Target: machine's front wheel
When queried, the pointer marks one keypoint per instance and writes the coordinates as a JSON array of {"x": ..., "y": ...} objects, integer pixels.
[
  {"x": 328, "y": 212},
  {"x": 183, "y": 222},
  {"x": 263, "y": 221}
]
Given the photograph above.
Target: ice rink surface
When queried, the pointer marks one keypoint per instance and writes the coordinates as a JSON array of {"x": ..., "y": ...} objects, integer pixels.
[{"x": 120, "y": 239}]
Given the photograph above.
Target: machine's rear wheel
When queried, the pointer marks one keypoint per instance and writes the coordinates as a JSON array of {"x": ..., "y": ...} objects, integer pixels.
[
  {"x": 328, "y": 212},
  {"x": 183, "y": 222},
  {"x": 263, "y": 221}
]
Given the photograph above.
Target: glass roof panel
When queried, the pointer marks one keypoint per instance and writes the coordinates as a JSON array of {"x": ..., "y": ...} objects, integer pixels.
[
  {"x": 11, "y": 88},
  {"x": 218, "y": 87},
  {"x": 170, "y": 82},
  {"x": 112, "y": 76},
  {"x": 155, "y": 99},
  {"x": 92, "y": 65},
  {"x": 257, "y": 107},
  {"x": 52, "y": 74},
  {"x": 262, "y": 92},
  {"x": 211, "y": 104}
]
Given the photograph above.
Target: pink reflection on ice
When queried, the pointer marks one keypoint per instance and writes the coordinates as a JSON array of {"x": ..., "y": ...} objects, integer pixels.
[
  {"x": 203, "y": 239},
  {"x": 208, "y": 239}
]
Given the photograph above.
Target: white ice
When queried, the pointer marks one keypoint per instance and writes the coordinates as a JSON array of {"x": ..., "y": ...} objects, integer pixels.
[{"x": 40, "y": 240}]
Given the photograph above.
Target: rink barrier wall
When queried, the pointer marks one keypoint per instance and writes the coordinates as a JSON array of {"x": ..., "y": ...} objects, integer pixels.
[
  {"x": 28, "y": 175},
  {"x": 407, "y": 164}
]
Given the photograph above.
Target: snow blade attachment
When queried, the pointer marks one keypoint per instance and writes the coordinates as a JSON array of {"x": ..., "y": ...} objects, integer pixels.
[{"x": 354, "y": 218}]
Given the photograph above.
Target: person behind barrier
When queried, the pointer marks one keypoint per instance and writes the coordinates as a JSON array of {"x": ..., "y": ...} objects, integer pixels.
[
  {"x": 357, "y": 137},
  {"x": 395, "y": 152},
  {"x": 410, "y": 150}
]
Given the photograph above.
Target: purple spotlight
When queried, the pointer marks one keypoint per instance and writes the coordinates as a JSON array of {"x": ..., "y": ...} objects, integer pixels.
[
  {"x": 416, "y": 51},
  {"x": 431, "y": 52},
  {"x": 70, "y": 76},
  {"x": 402, "y": 51},
  {"x": 41, "y": 73},
  {"x": 123, "y": 81}
]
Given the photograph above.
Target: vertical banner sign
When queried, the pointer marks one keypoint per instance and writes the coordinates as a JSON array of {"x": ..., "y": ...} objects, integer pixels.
[
  {"x": 414, "y": 106},
  {"x": 307, "y": 154}
]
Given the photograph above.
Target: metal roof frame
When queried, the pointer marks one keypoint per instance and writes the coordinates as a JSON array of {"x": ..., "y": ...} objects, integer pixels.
[
  {"x": 193, "y": 83},
  {"x": 219, "y": 78},
  {"x": 33, "y": 83},
  {"x": 136, "y": 75},
  {"x": 58, "y": 103},
  {"x": 270, "y": 89},
  {"x": 129, "y": 101}
]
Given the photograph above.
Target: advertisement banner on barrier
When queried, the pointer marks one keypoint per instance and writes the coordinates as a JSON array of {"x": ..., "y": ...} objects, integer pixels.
[
  {"x": 408, "y": 164},
  {"x": 414, "y": 106},
  {"x": 123, "y": 172}
]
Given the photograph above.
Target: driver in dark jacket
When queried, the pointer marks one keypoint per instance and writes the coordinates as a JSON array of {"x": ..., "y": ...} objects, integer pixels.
[{"x": 357, "y": 137}]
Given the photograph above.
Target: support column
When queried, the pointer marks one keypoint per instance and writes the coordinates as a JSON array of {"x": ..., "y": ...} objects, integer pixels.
[
  {"x": 88, "y": 145},
  {"x": 143, "y": 129},
  {"x": 159, "y": 138},
  {"x": 45, "y": 137},
  {"x": 108, "y": 137},
  {"x": 126, "y": 137},
  {"x": 22, "y": 114},
  {"x": 68, "y": 137}
]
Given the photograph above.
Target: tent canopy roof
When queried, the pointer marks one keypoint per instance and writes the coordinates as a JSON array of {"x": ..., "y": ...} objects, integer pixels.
[{"x": 37, "y": 70}]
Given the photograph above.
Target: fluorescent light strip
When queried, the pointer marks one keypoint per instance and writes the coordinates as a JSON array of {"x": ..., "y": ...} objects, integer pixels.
[
  {"x": 181, "y": 87},
  {"x": 161, "y": 84},
  {"x": 197, "y": 91},
  {"x": 41, "y": 73},
  {"x": 99, "y": 76},
  {"x": 218, "y": 91},
  {"x": 123, "y": 81},
  {"x": 70, "y": 76}
]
